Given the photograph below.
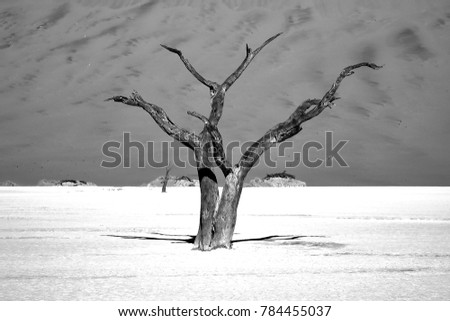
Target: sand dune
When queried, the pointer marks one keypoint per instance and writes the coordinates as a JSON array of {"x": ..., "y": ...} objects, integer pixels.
[{"x": 60, "y": 60}]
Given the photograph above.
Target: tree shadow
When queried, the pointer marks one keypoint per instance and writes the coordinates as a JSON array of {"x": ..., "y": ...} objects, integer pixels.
[
  {"x": 164, "y": 237},
  {"x": 274, "y": 238},
  {"x": 176, "y": 238}
]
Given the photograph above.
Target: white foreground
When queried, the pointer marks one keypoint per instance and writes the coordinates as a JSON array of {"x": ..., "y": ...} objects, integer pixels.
[{"x": 313, "y": 243}]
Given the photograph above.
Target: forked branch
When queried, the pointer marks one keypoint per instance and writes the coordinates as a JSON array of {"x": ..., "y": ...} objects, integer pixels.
[
  {"x": 310, "y": 108},
  {"x": 219, "y": 96},
  {"x": 182, "y": 135},
  {"x": 250, "y": 55}
]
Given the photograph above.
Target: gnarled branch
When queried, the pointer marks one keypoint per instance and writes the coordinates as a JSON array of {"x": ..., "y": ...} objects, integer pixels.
[
  {"x": 182, "y": 135},
  {"x": 199, "y": 116},
  {"x": 310, "y": 108},
  {"x": 329, "y": 97},
  {"x": 210, "y": 84}
]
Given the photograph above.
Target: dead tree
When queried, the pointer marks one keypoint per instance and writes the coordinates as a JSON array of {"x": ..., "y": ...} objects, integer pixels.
[
  {"x": 218, "y": 214},
  {"x": 166, "y": 179}
]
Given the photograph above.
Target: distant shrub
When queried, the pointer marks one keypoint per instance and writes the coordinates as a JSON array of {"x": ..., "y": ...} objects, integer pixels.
[
  {"x": 283, "y": 174},
  {"x": 184, "y": 178}
]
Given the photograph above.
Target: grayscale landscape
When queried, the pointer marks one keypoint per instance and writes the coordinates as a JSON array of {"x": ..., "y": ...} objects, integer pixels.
[{"x": 374, "y": 227}]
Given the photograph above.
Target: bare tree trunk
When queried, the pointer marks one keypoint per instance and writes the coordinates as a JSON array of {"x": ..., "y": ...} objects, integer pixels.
[
  {"x": 226, "y": 214},
  {"x": 166, "y": 179},
  {"x": 209, "y": 196},
  {"x": 218, "y": 215}
]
